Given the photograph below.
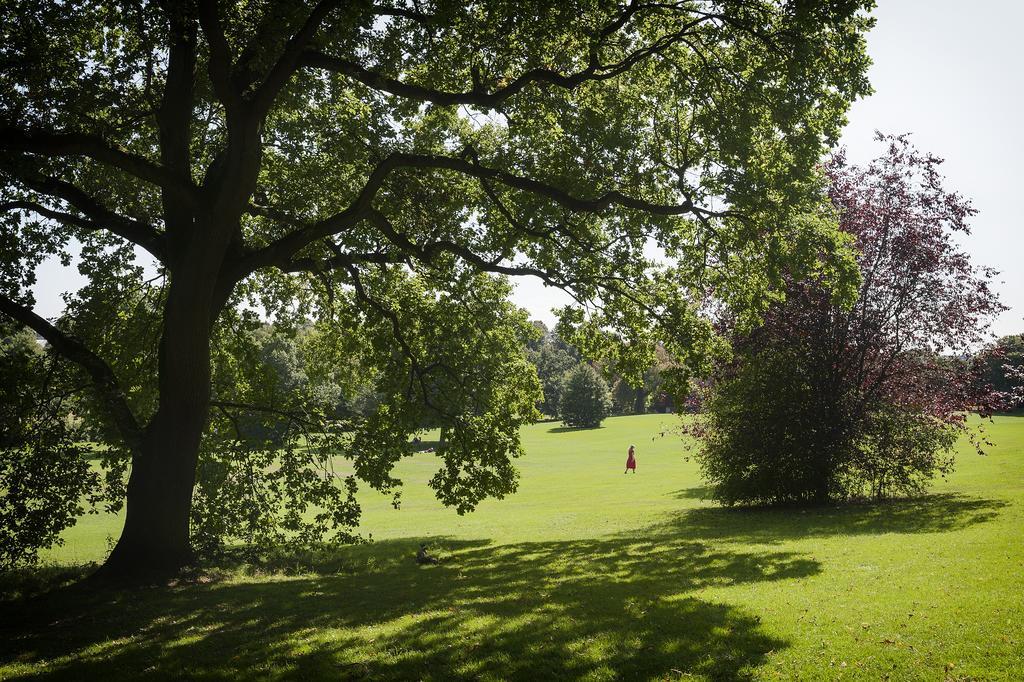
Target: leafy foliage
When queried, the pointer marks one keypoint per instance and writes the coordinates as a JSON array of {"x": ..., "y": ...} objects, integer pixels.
[
  {"x": 624, "y": 397},
  {"x": 268, "y": 467},
  {"x": 586, "y": 400},
  {"x": 553, "y": 358},
  {"x": 832, "y": 401},
  {"x": 43, "y": 472},
  {"x": 1004, "y": 369},
  {"x": 357, "y": 166}
]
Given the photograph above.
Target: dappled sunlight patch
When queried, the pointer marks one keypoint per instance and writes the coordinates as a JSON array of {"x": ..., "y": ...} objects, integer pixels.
[{"x": 568, "y": 609}]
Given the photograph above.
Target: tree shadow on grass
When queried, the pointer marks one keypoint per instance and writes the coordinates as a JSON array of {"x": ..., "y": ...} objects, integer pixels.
[
  {"x": 702, "y": 492},
  {"x": 934, "y": 513},
  {"x": 573, "y": 429},
  {"x": 21, "y": 583},
  {"x": 536, "y": 610}
]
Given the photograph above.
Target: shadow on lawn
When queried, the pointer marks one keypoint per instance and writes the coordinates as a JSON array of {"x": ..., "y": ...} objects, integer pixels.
[
  {"x": 620, "y": 606},
  {"x": 573, "y": 429},
  {"x": 610, "y": 607},
  {"x": 702, "y": 492},
  {"x": 934, "y": 513}
]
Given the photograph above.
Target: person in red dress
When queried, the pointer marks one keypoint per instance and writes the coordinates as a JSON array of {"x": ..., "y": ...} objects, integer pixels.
[{"x": 630, "y": 461}]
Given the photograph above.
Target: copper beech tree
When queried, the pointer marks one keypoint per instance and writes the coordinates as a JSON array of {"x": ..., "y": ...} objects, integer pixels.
[
  {"x": 372, "y": 167},
  {"x": 833, "y": 399}
]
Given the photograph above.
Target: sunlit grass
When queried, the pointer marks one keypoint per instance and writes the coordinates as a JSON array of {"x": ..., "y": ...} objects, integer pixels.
[{"x": 584, "y": 573}]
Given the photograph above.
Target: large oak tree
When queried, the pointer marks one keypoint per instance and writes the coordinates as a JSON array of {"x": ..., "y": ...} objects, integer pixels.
[{"x": 292, "y": 155}]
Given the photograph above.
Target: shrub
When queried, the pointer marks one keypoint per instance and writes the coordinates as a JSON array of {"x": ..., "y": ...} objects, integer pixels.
[{"x": 780, "y": 429}]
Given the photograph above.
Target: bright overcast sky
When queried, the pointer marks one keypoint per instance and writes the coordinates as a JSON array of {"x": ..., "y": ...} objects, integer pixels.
[{"x": 951, "y": 73}]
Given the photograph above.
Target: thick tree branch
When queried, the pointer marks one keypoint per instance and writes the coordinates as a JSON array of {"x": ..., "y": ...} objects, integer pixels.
[
  {"x": 553, "y": 234},
  {"x": 45, "y": 143},
  {"x": 342, "y": 260},
  {"x": 103, "y": 379},
  {"x": 595, "y": 71},
  {"x": 428, "y": 251},
  {"x": 219, "y": 64},
  {"x": 175, "y": 114},
  {"x": 283, "y": 250},
  {"x": 49, "y": 214},
  {"x": 133, "y": 232},
  {"x": 599, "y": 204},
  {"x": 99, "y": 216},
  {"x": 288, "y": 62}
]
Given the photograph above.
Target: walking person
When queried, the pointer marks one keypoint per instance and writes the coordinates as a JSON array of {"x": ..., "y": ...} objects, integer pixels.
[{"x": 630, "y": 461}]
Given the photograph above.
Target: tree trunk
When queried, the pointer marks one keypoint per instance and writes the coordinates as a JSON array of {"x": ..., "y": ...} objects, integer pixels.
[
  {"x": 155, "y": 539},
  {"x": 640, "y": 404}
]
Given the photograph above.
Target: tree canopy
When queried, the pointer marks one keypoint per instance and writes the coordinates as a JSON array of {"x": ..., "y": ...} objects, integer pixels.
[
  {"x": 1004, "y": 362},
  {"x": 833, "y": 399},
  {"x": 361, "y": 164},
  {"x": 552, "y": 357},
  {"x": 585, "y": 398}
]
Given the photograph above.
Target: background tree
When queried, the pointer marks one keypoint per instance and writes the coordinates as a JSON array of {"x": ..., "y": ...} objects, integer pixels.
[
  {"x": 553, "y": 358},
  {"x": 1004, "y": 362},
  {"x": 586, "y": 400},
  {"x": 306, "y": 158},
  {"x": 623, "y": 397},
  {"x": 651, "y": 393},
  {"x": 832, "y": 399}
]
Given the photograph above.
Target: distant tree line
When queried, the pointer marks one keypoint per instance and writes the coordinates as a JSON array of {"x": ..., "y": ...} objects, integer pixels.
[
  {"x": 1004, "y": 369},
  {"x": 582, "y": 393}
]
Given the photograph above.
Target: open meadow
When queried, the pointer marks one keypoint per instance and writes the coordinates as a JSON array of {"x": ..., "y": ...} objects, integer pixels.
[{"x": 585, "y": 573}]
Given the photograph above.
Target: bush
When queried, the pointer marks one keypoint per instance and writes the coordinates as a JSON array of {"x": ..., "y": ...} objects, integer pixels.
[
  {"x": 779, "y": 430},
  {"x": 585, "y": 398}
]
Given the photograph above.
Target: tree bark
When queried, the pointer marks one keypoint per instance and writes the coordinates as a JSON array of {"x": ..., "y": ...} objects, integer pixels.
[{"x": 155, "y": 539}]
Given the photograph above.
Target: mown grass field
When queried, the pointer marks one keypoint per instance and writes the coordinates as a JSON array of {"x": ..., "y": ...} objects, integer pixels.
[{"x": 585, "y": 573}]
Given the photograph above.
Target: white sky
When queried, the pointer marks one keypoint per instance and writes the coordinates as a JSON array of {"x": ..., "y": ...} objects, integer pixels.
[{"x": 951, "y": 73}]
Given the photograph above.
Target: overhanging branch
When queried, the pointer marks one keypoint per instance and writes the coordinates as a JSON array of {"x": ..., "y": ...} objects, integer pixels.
[
  {"x": 49, "y": 214},
  {"x": 594, "y": 71},
  {"x": 98, "y": 216},
  {"x": 468, "y": 165},
  {"x": 219, "y": 63},
  {"x": 103, "y": 379},
  {"x": 284, "y": 249},
  {"x": 288, "y": 62},
  {"x": 46, "y": 143}
]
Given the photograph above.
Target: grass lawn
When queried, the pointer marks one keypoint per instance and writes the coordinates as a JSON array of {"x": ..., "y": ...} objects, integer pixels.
[{"x": 584, "y": 573}]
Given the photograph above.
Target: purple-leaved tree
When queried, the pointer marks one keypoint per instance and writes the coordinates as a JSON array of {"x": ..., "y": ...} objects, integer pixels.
[{"x": 833, "y": 399}]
